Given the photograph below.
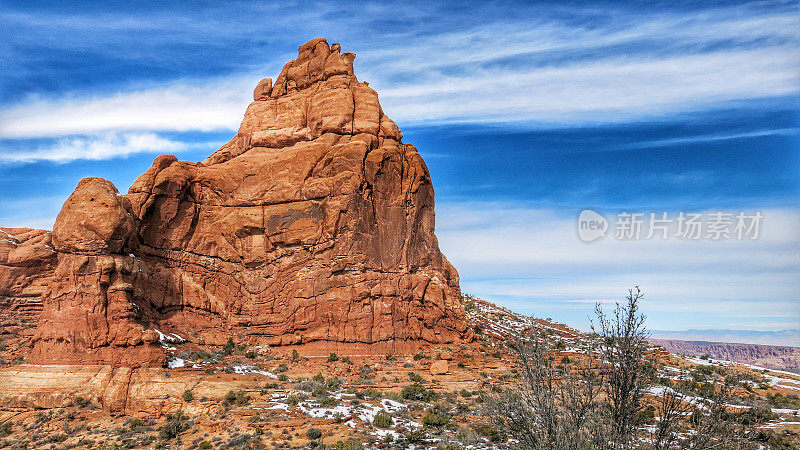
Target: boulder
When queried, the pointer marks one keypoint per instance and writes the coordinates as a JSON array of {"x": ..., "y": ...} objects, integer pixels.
[{"x": 439, "y": 367}]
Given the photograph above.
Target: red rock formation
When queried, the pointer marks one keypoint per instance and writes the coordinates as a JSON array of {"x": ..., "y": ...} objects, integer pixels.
[
  {"x": 27, "y": 261},
  {"x": 314, "y": 225}
]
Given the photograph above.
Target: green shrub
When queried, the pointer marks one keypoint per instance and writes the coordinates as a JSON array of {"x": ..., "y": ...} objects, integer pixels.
[
  {"x": 366, "y": 371},
  {"x": 490, "y": 432},
  {"x": 283, "y": 377},
  {"x": 5, "y": 428},
  {"x": 383, "y": 419},
  {"x": 350, "y": 444},
  {"x": 281, "y": 368},
  {"x": 295, "y": 356},
  {"x": 295, "y": 399},
  {"x": 417, "y": 391},
  {"x": 205, "y": 445},
  {"x": 420, "y": 356},
  {"x": 177, "y": 423},
  {"x": 415, "y": 436},
  {"x": 333, "y": 357},
  {"x": 56, "y": 438},
  {"x": 757, "y": 415},
  {"x": 313, "y": 434},
  {"x": 435, "y": 419},
  {"x": 415, "y": 377},
  {"x": 188, "y": 396},
  {"x": 369, "y": 392},
  {"x": 328, "y": 402},
  {"x": 236, "y": 398},
  {"x": 229, "y": 347}
]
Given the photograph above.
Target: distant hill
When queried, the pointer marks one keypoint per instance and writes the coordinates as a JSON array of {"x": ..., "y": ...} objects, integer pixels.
[
  {"x": 769, "y": 356},
  {"x": 789, "y": 338}
]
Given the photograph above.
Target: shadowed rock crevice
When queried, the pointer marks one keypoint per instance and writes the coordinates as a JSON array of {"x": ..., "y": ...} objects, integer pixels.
[{"x": 313, "y": 226}]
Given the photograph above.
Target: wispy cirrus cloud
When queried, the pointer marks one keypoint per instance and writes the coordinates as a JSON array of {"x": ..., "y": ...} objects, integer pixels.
[
  {"x": 93, "y": 147},
  {"x": 541, "y": 69}
]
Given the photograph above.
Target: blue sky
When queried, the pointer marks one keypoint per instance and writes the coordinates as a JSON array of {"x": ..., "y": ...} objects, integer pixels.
[{"x": 526, "y": 113}]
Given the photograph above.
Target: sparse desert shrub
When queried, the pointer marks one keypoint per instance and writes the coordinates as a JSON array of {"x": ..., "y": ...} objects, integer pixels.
[
  {"x": 56, "y": 438},
  {"x": 295, "y": 356},
  {"x": 365, "y": 371},
  {"x": 187, "y": 396},
  {"x": 382, "y": 419},
  {"x": 328, "y": 402},
  {"x": 236, "y": 398},
  {"x": 5, "y": 428},
  {"x": 333, "y": 357},
  {"x": 435, "y": 419},
  {"x": 313, "y": 434},
  {"x": 282, "y": 367},
  {"x": 295, "y": 399},
  {"x": 228, "y": 348},
  {"x": 775, "y": 441},
  {"x": 81, "y": 402},
  {"x": 478, "y": 329},
  {"x": 350, "y": 444},
  {"x": 466, "y": 436},
  {"x": 283, "y": 377},
  {"x": 490, "y": 432},
  {"x": 415, "y": 436},
  {"x": 177, "y": 423},
  {"x": 415, "y": 377},
  {"x": 417, "y": 391},
  {"x": 205, "y": 445},
  {"x": 420, "y": 355},
  {"x": 757, "y": 415},
  {"x": 334, "y": 383}
]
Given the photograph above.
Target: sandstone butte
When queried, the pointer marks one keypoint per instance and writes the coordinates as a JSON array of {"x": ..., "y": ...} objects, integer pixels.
[{"x": 313, "y": 226}]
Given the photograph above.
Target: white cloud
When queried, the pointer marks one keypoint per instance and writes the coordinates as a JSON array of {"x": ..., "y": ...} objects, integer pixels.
[
  {"x": 509, "y": 251},
  {"x": 182, "y": 106},
  {"x": 536, "y": 70},
  {"x": 94, "y": 147}
]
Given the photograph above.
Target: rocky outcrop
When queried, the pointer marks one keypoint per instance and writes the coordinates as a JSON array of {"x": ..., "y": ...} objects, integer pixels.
[
  {"x": 313, "y": 226},
  {"x": 27, "y": 262}
]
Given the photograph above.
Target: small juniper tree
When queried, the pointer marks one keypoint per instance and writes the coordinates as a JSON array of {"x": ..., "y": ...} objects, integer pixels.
[{"x": 627, "y": 369}]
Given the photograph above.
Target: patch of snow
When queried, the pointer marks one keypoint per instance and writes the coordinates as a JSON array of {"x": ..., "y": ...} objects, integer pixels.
[
  {"x": 250, "y": 369},
  {"x": 786, "y": 411},
  {"x": 175, "y": 363}
]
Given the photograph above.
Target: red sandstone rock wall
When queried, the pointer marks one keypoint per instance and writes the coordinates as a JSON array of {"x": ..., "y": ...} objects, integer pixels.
[
  {"x": 27, "y": 262},
  {"x": 314, "y": 225}
]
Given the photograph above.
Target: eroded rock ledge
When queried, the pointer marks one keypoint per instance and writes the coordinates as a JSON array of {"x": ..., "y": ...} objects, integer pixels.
[{"x": 314, "y": 225}]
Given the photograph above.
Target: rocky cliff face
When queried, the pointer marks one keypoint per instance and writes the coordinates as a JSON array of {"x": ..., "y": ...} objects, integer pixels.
[
  {"x": 27, "y": 262},
  {"x": 769, "y": 356},
  {"x": 314, "y": 225}
]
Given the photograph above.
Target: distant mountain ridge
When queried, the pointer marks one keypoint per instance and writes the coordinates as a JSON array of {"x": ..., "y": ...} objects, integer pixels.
[
  {"x": 769, "y": 356},
  {"x": 789, "y": 338}
]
